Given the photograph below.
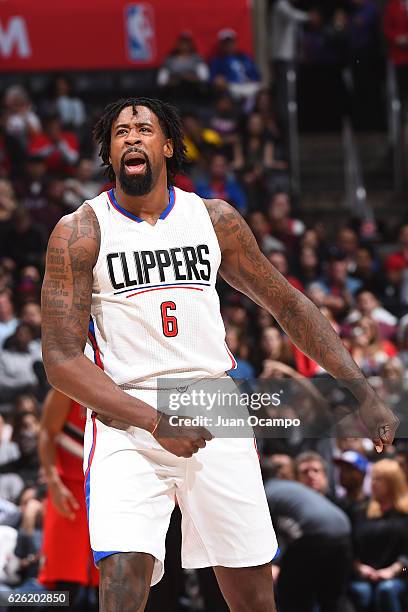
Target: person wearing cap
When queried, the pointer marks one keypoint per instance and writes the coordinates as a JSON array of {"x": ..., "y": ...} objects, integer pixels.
[
  {"x": 233, "y": 69},
  {"x": 353, "y": 468}
]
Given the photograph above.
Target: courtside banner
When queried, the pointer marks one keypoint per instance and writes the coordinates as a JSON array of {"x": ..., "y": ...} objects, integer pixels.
[{"x": 111, "y": 34}]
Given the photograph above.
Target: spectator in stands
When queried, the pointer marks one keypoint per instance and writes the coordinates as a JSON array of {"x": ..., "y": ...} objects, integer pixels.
[
  {"x": 255, "y": 158},
  {"x": 6, "y": 431},
  {"x": 81, "y": 187},
  {"x": 338, "y": 284},
  {"x": 368, "y": 271},
  {"x": 381, "y": 542},
  {"x": 263, "y": 319},
  {"x": 28, "y": 544},
  {"x": 25, "y": 241},
  {"x": 198, "y": 140},
  {"x": 283, "y": 226},
  {"x": 309, "y": 270},
  {"x": 274, "y": 346},
  {"x": 311, "y": 470},
  {"x": 397, "y": 262},
  {"x": 347, "y": 242},
  {"x": 338, "y": 278},
  {"x": 352, "y": 472},
  {"x": 61, "y": 102},
  {"x": 313, "y": 566},
  {"x": 285, "y": 20},
  {"x": 393, "y": 390},
  {"x": 370, "y": 306},
  {"x": 184, "y": 70},
  {"x": 238, "y": 345},
  {"x": 278, "y": 465},
  {"x": 258, "y": 223},
  {"x": 364, "y": 44},
  {"x": 222, "y": 184},
  {"x": 8, "y": 320},
  {"x": 265, "y": 107},
  {"x": 5, "y": 146},
  {"x": 234, "y": 311},
  {"x": 26, "y": 430},
  {"x": 9, "y": 513},
  {"x": 31, "y": 187},
  {"x": 30, "y": 314},
  {"x": 367, "y": 305},
  {"x": 8, "y": 270},
  {"x": 403, "y": 346},
  {"x": 315, "y": 238},
  {"x": 259, "y": 147},
  {"x": 17, "y": 363},
  {"x": 26, "y": 403},
  {"x": 59, "y": 148},
  {"x": 402, "y": 460},
  {"x": 234, "y": 70},
  {"x": 396, "y": 34},
  {"x": 28, "y": 286},
  {"x": 8, "y": 205},
  {"x": 11, "y": 483},
  {"x": 366, "y": 347},
  {"x": 279, "y": 260},
  {"x": 55, "y": 208},
  {"x": 225, "y": 121},
  {"x": 21, "y": 122}
]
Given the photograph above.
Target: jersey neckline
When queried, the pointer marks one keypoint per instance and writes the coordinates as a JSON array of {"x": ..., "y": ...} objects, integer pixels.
[{"x": 129, "y": 215}]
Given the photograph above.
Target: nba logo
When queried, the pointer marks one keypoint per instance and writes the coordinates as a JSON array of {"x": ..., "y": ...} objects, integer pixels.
[{"x": 140, "y": 32}]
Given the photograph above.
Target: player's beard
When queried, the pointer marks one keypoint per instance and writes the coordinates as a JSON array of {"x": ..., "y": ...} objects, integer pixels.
[{"x": 136, "y": 184}]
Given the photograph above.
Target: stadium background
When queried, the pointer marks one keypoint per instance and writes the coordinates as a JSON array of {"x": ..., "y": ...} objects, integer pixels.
[{"x": 295, "y": 113}]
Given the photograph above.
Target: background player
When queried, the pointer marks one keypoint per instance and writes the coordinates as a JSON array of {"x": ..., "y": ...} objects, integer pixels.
[{"x": 66, "y": 553}]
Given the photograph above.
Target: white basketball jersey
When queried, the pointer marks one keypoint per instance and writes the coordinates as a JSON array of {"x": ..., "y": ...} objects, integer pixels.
[{"x": 155, "y": 310}]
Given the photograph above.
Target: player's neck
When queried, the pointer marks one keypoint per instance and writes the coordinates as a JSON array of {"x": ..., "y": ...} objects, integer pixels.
[{"x": 147, "y": 207}]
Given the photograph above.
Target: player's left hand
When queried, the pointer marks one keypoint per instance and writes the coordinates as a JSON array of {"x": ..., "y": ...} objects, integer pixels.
[{"x": 380, "y": 421}]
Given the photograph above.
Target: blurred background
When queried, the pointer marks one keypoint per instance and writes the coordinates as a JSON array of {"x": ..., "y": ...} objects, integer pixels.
[{"x": 295, "y": 112}]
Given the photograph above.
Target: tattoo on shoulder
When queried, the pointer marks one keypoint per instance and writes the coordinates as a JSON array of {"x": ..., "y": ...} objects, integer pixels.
[
  {"x": 67, "y": 288},
  {"x": 233, "y": 232},
  {"x": 225, "y": 218}
]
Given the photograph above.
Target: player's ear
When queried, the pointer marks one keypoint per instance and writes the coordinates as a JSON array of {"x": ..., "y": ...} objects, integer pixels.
[{"x": 168, "y": 148}]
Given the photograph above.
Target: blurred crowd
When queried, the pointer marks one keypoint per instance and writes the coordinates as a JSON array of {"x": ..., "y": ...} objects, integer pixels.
[{"x": 335, "y": 504}]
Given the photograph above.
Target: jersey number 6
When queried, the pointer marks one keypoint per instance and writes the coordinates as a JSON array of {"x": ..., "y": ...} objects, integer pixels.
[{"x": 169, "y": 323}]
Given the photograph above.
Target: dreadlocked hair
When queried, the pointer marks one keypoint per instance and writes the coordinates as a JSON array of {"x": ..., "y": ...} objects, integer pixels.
[{"x": 169, "y": 121}]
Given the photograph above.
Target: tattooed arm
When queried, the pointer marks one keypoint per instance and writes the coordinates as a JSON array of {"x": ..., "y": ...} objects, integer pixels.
[
  {"x": 245, "y": 268},
  {"x": 66, "y": 304}
]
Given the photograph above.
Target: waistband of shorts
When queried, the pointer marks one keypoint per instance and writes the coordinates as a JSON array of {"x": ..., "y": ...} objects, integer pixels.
[{"x": 185, "y": 383}]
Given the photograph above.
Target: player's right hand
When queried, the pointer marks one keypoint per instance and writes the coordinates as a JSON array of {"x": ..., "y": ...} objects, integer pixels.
[
  {"x": 181, "y": 440},
  {"x": 63, "y": 500}
]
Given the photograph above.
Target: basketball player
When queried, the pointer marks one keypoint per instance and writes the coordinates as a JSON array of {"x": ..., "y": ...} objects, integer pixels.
[
  {"x": 66, "y": 552},
  {"x": 135, "y": 270}
]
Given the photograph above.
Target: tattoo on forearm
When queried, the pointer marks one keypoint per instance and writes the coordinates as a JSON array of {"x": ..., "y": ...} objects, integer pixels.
[
  {"x": 67, "y": 288},
  {"x": 248, "y": 270}
]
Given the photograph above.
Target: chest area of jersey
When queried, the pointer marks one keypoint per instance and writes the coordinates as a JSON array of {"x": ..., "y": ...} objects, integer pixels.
[{"x": 132, "y": 261}]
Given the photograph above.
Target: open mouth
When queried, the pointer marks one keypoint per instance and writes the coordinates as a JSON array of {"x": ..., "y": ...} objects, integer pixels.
[{"x": 135, "y": 163}]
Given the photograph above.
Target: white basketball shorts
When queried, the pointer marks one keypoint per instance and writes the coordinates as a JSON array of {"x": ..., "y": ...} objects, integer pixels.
[{"x": 132, "y": 484}]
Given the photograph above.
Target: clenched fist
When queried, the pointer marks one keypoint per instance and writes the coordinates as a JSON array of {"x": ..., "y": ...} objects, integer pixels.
[{"x": 181, "y": 440}]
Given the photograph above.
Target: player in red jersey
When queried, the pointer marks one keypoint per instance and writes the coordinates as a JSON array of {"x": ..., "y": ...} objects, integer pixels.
[{"x": 67, "y": 561}]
